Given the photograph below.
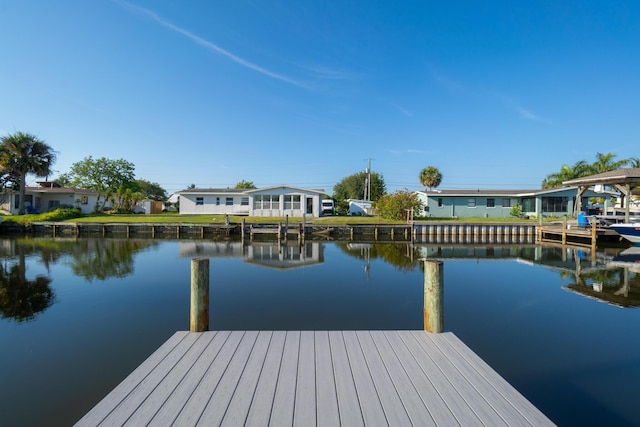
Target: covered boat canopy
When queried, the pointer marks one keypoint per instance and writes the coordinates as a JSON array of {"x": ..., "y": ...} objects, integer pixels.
[{"x": 624, "y": 180}]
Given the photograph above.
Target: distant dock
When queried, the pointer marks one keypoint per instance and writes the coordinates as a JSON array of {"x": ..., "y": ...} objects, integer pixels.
[{"x": 308, "y": 378}]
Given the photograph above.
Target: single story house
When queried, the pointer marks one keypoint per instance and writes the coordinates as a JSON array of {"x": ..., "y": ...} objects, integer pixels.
[
  {"x": 49, "y": 196},
  {"x": 498, "y": 203},
  {"x": 280, "y": 200}
]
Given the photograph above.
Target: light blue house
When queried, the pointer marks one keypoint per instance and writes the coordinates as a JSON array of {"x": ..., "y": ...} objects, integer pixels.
[{"x": 499, "y": 203}]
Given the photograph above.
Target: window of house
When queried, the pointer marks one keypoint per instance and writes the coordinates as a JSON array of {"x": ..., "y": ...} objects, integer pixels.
[
  {"x": 291, "y": 202},
  {"x": 471, "y": 203},
  {"x": 267, "y": 201},
  {"x": 217, "y": 201},
  {"x": 244, "y": 201},
  {"x": 506, "y": 203},
  {"x": 199, "y": 201},
  {"x": 84, "y": 200},
  {"x": 554, "y": 204},
  {"x": 440, "y": 202},
  {"x": 229, "y": 201},
  {"x": 491, "y": 203}
]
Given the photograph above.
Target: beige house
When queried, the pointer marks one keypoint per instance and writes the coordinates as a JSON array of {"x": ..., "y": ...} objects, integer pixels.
[{"x": 49, "y": 196}]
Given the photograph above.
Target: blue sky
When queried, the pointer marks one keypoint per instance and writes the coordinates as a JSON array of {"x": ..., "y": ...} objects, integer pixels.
[{"x": 496, "y": 94}]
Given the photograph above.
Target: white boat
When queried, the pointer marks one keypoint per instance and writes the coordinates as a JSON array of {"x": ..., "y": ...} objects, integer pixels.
[{"x": 630, "y": 231}]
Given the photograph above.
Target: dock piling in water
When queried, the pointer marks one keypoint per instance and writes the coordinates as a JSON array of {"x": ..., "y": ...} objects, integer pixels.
[
  {"x": 199, "y": 318},
  {"x": 433, "y": 296}
]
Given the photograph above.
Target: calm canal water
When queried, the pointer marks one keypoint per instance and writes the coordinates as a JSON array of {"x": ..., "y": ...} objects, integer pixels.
[{"x": 79, "y": 315}]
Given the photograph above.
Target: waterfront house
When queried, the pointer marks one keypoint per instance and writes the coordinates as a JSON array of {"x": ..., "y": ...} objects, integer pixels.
[
  {"x": 48, "y": 196},
  {"x": 279, "y": 200},
  {"x": 499, "y": 203}
]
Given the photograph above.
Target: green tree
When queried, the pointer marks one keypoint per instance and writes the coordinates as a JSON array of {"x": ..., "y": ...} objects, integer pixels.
[
  {"x": 151, "y": 190},
  {"x": 397, "y": 205},
  {"x": 634, "y": 162},
  {"x": 353, "y": 187},
  {"x": 248, "y": 185},
  {"x": 104, "y": 176},
  {"x": 21, "y": 154},
  {"x": 430, "y": 177},
  {"x": 606, "y": 163},
  {"x": 578, "y": 170}
]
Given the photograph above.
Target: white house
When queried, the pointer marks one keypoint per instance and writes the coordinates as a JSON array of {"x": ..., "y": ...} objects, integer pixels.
[
  {"x": 49, "y": 196},
  {"x": 280, "y": 200}
]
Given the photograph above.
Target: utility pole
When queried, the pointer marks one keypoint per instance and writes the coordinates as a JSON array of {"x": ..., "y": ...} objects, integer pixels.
[{"x": 367, "y": 186}]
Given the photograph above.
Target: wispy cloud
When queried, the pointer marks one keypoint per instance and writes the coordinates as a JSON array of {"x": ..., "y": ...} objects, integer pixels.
[
  {"x": 526, "y": 114},
  {"x": 402, "y": 110},
  {"x": 457, "y": 87},
  {"x": 407, "y": 151},
  {"x": 209, "y": 45},
  {"x": 327, "y": 73}
]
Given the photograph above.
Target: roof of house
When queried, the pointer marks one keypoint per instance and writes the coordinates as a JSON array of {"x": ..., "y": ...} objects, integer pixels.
[
  {"x": 497, "y": 193},
  {"x": 620, "y": 176}
]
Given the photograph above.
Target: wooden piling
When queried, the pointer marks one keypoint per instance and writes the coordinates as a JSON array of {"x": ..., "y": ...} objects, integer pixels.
[
  {"x": 199, "y": 319},
  {"x": 433, "y": 296}
]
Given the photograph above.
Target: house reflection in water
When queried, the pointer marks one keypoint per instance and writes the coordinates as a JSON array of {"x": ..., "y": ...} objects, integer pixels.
[
  {"x": 612, "y": 278},
  {"x": 281, "y": 256},
  {"x": 618, "y": 283}
]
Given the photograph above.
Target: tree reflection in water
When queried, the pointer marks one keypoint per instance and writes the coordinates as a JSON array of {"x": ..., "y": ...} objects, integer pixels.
[{"x": 20, "y": 298}]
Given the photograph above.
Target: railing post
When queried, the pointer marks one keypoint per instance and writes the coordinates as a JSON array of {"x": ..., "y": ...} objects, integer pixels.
[
  {"x": 199, "y": 319},
  {"x": 433, "y": 296}
]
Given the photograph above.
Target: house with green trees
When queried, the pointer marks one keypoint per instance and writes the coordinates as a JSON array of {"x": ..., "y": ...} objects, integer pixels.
[{"x": 505, "y": 203}]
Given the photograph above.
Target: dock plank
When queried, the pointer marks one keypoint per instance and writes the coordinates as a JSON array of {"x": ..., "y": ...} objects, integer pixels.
[
  {"x": 348, "y": 403},
  {"x": 166, "y": 386},
  {"x": 192, "y": 410},
  {"x": 167, "y": 414},
  {"x": 117, "y": 395},
  {"x": 236, "y": 413},
  {"x": 305, "y": 401},
  {"x": 325, "y": 378},
  {"x": 221, "y": 397},
  {"x": 462, "y": 386},
  {"x": 367, "y": 394},
  {"x": 260, "y": 410},
  {"x": 283, "y": 401},
  {"x": 327, "y": 401}
]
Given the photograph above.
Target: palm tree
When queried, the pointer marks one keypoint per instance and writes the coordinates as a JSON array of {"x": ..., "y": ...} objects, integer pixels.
[
  {"x": 605, "y": 163},
  {"x": 633, "y": 162},
  {"x": 430, "y": 177},
  {"x": 23, "y": 153},
  {"x": 555, "y": 180}
]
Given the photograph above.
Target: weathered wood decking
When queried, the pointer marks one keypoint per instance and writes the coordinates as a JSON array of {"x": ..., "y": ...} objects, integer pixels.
[{"x": 348, "y": 378}]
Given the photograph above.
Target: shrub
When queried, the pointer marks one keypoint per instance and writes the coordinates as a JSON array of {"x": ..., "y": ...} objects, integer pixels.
[
  {"x": 516, "y": 210},
  {"x": 398, "y": 204}
]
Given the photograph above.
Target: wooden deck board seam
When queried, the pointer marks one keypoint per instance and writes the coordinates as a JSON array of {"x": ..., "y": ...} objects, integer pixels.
[
  {"x": 171, "y": 373},
  {"x": 446, "y": 376},
  {"x": 515, "y": 399},
  {"x": 130, "y": 383},
  {"x": 389, "y": 377},
  {"x": 404, "y": 369},
  {"x": 473, "y": 384},
  {"x": 191, "y": 372}
]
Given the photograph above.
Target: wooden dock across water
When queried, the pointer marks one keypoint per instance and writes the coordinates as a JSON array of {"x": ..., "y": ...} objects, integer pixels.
[{"x": 324, "y": 378}]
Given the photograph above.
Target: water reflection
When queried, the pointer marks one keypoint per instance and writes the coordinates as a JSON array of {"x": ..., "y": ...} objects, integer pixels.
[
  {"x": 101, "y": 259},
  {"x": 23, "y": 298},
  {"x": 611, "y": 276}
]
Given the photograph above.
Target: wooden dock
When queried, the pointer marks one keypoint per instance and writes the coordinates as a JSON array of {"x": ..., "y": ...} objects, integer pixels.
[{"x": 325, "y": 378}]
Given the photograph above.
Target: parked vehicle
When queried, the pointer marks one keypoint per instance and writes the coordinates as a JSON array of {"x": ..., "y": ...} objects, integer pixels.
[{"x": 327, "y": 207}]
